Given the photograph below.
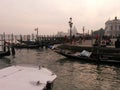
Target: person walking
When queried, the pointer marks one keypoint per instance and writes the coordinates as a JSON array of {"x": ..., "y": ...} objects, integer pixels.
[{"x": 117, "y": 43}]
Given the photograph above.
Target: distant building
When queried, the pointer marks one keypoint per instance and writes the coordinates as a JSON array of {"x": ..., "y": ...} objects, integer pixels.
[
  {"x": 74, "y": 32},
  {"x": 112, "y": 27},
  {"x": 62, "y": 34}
]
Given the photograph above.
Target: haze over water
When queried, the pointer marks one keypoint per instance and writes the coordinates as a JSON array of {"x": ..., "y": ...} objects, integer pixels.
[
  {"x": 72, "y": 74},
  {"x": 51, "y": 16}
]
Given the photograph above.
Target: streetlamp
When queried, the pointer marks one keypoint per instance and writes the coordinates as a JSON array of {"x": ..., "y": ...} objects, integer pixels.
[
  {"x": 83, "y": 33},
  {"x": 36, "y": 29},
  {"x": 70, "y": 24}
]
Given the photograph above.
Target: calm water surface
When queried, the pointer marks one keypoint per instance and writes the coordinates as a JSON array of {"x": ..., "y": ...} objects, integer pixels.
[{"x": 72, "y": 75}]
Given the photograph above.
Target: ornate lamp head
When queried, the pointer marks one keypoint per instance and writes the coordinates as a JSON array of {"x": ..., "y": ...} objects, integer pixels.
[{"x": 70, "y": 22}]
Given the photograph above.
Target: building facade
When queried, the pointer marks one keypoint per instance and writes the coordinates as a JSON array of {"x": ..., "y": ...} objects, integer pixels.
[
  {"x": 112, "y": 27},
  {"x": 73, "y": 32}
]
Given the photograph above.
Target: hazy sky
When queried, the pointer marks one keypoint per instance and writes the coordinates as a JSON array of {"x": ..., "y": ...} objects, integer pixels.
[{"x": 51, "y": 16}]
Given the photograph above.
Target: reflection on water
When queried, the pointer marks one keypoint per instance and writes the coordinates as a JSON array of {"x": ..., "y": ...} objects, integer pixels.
[
  {"x": 72, "y": 75},
  {"x": 4, "y": 62}
]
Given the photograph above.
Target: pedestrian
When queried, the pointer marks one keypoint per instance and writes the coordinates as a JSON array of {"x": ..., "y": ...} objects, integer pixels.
[
  {"x": 13, "y": 50},
  {"x": 117, "y": 43}
]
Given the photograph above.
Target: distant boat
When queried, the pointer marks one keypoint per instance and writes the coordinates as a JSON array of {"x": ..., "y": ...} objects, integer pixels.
[
  {"x": 28, "y": 42},
  {"x": 20, "y": 46},
  {"x": 5, "y": 53},
  {"x": 26, "y": 78}
]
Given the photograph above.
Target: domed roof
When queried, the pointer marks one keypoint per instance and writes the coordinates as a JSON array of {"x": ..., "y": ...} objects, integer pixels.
[
  {"x": 109, "y": 21},
  {"x": 113, "y": 21}
]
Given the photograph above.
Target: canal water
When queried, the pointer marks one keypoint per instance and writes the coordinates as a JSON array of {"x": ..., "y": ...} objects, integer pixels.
[{"x": 72, "y": 74}]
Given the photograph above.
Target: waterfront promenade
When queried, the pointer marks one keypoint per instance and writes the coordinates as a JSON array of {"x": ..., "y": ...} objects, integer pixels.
[{"x": 89, "y": 43}]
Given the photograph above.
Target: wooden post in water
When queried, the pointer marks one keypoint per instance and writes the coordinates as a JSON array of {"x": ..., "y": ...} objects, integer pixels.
[
  {"x": 21, "y": 39},
  {"x": 12, "y": 38},
  {"x": 1, "y": 41},
  {"x": 98, "y": 49},
  {"x": 8, "y": 38},
  {"x": 32, "y": 36},
  {"x": 91, "y": 37},
  {"x": 15, "y": 38},
  {"x": 4, "y": 49},
  {"x": 36, "y": 29}
]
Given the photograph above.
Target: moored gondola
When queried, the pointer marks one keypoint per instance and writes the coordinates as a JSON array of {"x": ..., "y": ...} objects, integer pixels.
[
  {"x": 5, "y": 53},
  {"x": 20, "y": 46},
  {"x": 91, "y": 58}
]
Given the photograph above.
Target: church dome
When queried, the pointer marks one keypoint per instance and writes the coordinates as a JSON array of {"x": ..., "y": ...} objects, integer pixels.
[{"x": 113, "y": 21}]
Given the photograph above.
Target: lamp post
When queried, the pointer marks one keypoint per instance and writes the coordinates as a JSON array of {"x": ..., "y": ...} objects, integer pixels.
[
  {"x": 36, "y": 29},
  {"x": 70, "y": 24},
  {"x": 83, "y": 33}
]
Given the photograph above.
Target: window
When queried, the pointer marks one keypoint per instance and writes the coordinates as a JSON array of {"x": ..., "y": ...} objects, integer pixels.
[
  {"x": 115, "y": 27},
  {"x": 111, "y": 27}
]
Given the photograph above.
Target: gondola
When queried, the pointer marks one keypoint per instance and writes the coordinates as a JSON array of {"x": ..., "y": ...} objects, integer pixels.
[
  {"x": 20, "y": 46},
  {"x": 93, "y": 58},
  {"x": 2, "y": 53},
  {"x": 28, "y": 42},
  {"x": 5, "y": 53}
]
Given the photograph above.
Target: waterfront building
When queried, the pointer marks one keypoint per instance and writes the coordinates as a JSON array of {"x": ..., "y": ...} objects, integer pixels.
[
  {"x": 62, "y": 34},
  {"x": 73, "y": 30},
  {"x": 112, "y": 27}
]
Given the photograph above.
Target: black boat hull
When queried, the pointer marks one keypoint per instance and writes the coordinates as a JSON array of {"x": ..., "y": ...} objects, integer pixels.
[{"x": 88, "y": 59}]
